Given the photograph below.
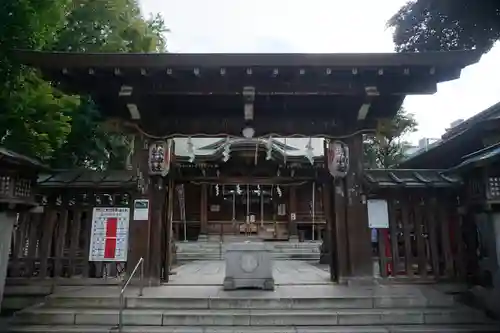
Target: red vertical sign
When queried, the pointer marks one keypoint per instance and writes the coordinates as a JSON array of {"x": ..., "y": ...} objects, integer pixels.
[{"x": 110, "y": 245}]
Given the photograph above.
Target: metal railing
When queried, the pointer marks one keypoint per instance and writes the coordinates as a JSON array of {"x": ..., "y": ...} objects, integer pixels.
[{"x": 125, "y": 285}]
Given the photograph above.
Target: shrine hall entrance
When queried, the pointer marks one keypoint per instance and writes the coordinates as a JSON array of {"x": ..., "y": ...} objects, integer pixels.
[
  {"x": 288, "y": 211},
  {"x": 254, "y": 208}
]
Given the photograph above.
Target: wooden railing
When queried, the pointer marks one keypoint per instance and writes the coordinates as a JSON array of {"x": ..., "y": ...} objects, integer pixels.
[
  {"x": 55, "y": 241},
  {"x": 424, "y": 239}
]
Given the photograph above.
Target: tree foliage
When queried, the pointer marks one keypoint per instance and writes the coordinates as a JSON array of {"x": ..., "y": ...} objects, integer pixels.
[
  {"x": 388, "y": 147},
  {"x": 33, "y": 115},
  {"x": 109, "y": 26},
  {"x": 25, "y": 24},
  {"x": 38, "y": 120},
  {"x": 432, "y": 25}
]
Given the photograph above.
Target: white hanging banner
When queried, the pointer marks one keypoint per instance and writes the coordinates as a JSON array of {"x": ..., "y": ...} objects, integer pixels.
[
  {"x": 378, "y": 214},
  {"x": 109, "y": 234}
]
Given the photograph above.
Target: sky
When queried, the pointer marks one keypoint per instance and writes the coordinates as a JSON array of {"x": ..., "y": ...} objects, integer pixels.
[{"x": 322, "y": 26}]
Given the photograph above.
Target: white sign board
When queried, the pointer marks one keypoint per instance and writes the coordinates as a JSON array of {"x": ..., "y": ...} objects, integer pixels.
[
  {"x": 141, "y": 210},
  {"x": 109, "y": 234},
  {"x": 378, "y": 214}
]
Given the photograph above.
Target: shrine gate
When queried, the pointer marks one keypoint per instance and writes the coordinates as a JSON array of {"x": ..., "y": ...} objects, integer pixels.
[{"x": 339, "y": 97}]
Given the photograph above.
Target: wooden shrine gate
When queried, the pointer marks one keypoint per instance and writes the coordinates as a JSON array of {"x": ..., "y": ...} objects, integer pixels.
[
  {"x": 53, "y": 241},
  {"x": 157, "y": 97},
  {"x": 424, "y": 240}
]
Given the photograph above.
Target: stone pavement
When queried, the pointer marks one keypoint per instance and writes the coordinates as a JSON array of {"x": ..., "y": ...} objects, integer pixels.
[
  {"x": 285, "y": 272},
  {"x": 294, "y": 279},
  {"x": 303, "y": 301}
]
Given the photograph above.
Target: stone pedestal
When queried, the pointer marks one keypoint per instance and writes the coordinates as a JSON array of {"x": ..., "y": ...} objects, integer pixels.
[
  {"x": 202, "y": 238},
  {"x": 7, "y": 221},
  {"x": 324, "y": 250},
  {"x": 249, "y": 265}
]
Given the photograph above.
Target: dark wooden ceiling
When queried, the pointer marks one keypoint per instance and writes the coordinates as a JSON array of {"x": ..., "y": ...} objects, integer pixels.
[{"x": 309, "y": 94}]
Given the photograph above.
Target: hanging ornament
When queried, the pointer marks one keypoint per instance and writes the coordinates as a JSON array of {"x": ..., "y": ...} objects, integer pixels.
[
  {"x": 216, "y": 190},
  {"x": 238, "y": 189},
  {"x": 227, "y": 150},
  {"x": 190, "y": 150},
  {"x": 278, "y": 190},
  {"x": 258, "y": 190},
  {"x": 269, "y": 147},
  {"x": 309, "y": 151},
  {"x": 159, "y": 157}
]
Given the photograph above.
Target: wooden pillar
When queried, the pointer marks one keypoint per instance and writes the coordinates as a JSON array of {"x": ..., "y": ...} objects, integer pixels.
[
  {"x": 339, "y": 229},
  {"x": 292, "y": 208},
  {"x": 335, "y": 210},
  {"x": 168, "y": 240},
  {"x": 157, "y": 192},
  {"x": 328, "y": 249},
  {"x": 203, "y": 209},
  {"x": 359, "y": 235},
  {"x": 138, "y": 243}
]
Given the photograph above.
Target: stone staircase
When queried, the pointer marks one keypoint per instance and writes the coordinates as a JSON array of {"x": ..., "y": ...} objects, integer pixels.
[
  {"x": 213, "y": 249},
  {"x": 307, "y": 310}
]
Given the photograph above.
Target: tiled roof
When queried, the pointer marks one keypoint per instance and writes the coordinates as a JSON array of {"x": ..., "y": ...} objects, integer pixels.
[
  {"x": 13, "y": 158},
  {"x": 480, "y": 157},
  {"x": 88, "y": 178},
  {"x": 457, "y": 139},
  {"x": 408, "y": 178}
]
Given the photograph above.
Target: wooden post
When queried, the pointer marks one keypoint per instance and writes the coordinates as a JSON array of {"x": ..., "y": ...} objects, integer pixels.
[
  {"x": 157, "y": 189},
  {"x": 359, "y": 235},
  {"x": 138, "y": 245},
  {"x": 329, "y": 239},
  {"x": 292, "y": 208},
  {"x": 433, "y": 240},
  {"x": 203, "y": 209},
  {"x": 444, "y": 223},
  {"x": 339, "y": 231},
  {"x": 419, "y": 228},
  {"x": 167, "y": 232},
  {"x": 394, "y": 230},
  {"x": 405, "y": 217}
]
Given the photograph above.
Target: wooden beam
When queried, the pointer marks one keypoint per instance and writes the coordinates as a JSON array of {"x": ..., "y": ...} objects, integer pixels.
[
  {"x": 217, "y": 125},
  {"x": 246, "y": 180}
]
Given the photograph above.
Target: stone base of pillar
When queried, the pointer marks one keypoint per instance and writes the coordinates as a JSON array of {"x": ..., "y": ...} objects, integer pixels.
[
  {"x": 324, "y": 252},
  {"x": 202, "y": 238},
  {"x": 293, "y": 238},
  {"x": 361, "y": 281},
  {"x": 7, "y": 221}
]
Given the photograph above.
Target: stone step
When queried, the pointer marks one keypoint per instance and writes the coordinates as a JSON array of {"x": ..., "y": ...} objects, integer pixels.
[
  {"x": 260, "y": 329},
  {"x": 202, "y": 256},
  {"x": 202, "y": 251},
  {"x": 191, "y": 257},
  {"x": 216, "y": 250},
  {"x": 234, "y": 317},
  {"x": 271, "y": 245},
  {"x": 348, "y": 302}
]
